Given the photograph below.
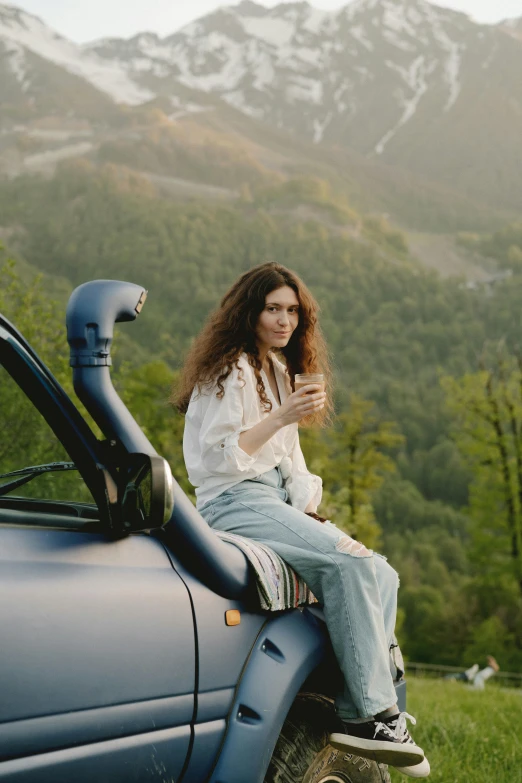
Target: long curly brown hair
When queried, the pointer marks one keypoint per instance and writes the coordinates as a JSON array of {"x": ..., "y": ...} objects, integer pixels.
[{"x": 230, "y": 331}]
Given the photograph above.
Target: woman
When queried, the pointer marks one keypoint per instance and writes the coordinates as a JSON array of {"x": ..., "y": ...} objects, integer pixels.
[{"x": 242, "y": 453}]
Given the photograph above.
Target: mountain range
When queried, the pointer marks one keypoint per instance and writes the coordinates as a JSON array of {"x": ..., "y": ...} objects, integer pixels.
[{"x": 387, "y": 86}]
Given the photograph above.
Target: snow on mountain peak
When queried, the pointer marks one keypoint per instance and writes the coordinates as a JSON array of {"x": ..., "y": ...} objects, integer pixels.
[
  {"x": 358, "y": 6},
  {"x": 14, "y": 20},
  {"x": 248, "y": 7},
  {"x": 516, "y": 22},
  {"x": 266, "y": 61},
  {"x": 276, "y": 32},
  {"x": 29, "y": 32},
  {"x": 512, "y": 27},
  {"x": 292, "y": 65}
]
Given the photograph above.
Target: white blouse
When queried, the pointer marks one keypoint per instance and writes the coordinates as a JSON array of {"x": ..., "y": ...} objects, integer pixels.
[{"x": 213, "y": 458}]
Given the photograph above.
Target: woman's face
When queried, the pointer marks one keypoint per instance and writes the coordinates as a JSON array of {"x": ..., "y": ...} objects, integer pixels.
[{"x": 279, "y": 318}]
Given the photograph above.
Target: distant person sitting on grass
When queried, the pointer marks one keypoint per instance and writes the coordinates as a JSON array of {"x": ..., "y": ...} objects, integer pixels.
[{"x": 477, "y": 679}]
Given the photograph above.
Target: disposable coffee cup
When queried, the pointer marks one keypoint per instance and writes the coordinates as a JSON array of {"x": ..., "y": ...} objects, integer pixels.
[{"x": 304, "y": 379}]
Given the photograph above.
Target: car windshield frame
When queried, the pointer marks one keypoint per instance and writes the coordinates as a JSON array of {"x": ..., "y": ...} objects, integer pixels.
[{"x": 40, "y": 386}]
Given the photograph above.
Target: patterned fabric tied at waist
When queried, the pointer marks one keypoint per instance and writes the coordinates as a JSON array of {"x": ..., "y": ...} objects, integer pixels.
[{"x": 278, "y": 585}]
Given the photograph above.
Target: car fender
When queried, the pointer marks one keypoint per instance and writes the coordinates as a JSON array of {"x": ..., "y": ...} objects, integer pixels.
[{"x": 287, "y": 650}]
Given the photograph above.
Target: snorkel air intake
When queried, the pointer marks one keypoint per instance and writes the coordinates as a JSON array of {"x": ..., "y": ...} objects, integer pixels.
[{"x": 92, "y": 311}]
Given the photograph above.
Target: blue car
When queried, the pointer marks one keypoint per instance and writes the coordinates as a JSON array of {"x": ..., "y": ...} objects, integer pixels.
[{"x": 132, "y": 646}]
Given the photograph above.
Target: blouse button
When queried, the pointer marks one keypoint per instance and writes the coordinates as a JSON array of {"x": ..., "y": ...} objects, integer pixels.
[{"x": 221, "y": 445}]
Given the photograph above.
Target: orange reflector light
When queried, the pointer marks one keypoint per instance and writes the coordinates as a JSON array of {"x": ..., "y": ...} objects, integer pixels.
[{"x": 233, "y": 617}]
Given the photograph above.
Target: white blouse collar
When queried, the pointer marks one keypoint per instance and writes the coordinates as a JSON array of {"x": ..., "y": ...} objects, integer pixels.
[{"x": 281, "y": 377}]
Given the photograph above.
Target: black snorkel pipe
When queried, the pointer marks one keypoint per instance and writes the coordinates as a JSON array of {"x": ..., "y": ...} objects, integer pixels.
[{"x": 92, "y": 311}]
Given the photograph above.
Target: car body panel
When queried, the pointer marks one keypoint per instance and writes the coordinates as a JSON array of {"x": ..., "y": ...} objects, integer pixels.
[
  {"x": 287, "y": 650},
  {"x": 223, "y": 654},
  {"x": 153, "y": 757},
  {"x": 208, "y": 740},
  {"x": 100, "y": 646}
]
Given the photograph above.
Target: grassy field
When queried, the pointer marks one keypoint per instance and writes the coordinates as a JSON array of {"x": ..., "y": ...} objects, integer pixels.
[{"x": 468, "y": 736}]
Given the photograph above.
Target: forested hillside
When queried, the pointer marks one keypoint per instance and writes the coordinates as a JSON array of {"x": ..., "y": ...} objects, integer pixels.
[
  {"x": 505, "y": 246},
  {"x": 402, "y": 342}
]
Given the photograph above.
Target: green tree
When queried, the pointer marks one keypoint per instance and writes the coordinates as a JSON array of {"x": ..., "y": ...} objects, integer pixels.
[
  {"x": 352, "y": 459},
  {"x": 360, "y": 459},
  {"x": 26, "y": 437},
  {"x": 145, "y": 390},
  {"x": 488, "y": 415}
]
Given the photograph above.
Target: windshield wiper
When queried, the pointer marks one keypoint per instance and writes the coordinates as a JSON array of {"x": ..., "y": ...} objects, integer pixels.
[{"x": 28, "y": 474}]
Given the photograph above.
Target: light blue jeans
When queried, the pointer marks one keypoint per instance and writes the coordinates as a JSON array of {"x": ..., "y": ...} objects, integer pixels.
[{"x": 358, "y": 592}]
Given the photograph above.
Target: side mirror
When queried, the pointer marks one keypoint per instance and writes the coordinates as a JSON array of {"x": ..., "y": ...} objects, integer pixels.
[{"x": 145, "y": 496}]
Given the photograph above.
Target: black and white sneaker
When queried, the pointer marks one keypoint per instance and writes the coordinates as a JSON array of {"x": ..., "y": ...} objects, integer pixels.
[{"x": 387, "y": 742}]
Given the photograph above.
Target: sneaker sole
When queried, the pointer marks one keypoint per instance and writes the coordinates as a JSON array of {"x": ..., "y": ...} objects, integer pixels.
[
  {"x": 421, "y": 770},
  {"x": 391, "y": 753}
]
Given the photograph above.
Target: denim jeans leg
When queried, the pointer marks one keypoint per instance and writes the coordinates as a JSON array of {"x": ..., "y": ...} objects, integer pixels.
[
  {"x": 388, "y": 582},
  {"x": 349, "y": 586}
]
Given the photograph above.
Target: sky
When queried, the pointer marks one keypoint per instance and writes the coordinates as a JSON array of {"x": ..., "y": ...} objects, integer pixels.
[{"x": 86, "y": 21}]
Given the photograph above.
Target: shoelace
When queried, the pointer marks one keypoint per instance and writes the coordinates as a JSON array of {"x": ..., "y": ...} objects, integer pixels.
[{"x": 400, "y": 732}]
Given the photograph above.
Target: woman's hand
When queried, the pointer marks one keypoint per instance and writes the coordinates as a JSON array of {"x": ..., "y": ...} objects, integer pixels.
[
  {"x": 304, "y": 402},
  {"x": 308, "y": 400}
]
